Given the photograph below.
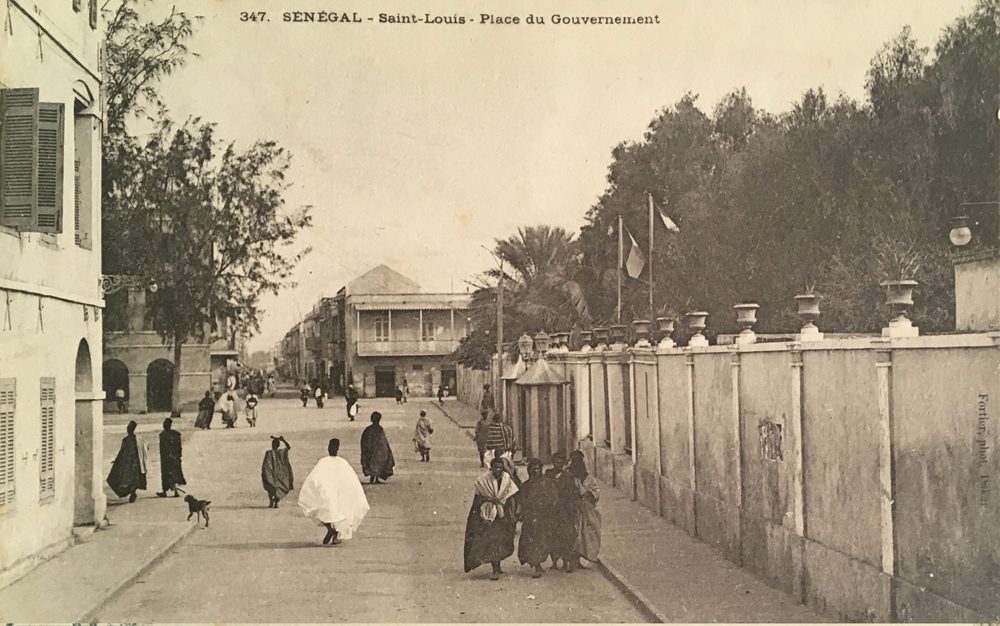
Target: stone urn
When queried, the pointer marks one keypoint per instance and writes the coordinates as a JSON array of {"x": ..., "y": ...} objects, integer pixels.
[
  {"x": 808, "y": 312},
  {"x": 601, "y": 338},
  {"x": 746, "y": 317},
  {"x": 586, "y": 337},
  {"x": 899, "y": 296},
  {"x": 696, "y": 322},
  {"x": 665, "y": 327},
  {"x": 618, "y": 335},
  {"x": 641, "y": 330}
]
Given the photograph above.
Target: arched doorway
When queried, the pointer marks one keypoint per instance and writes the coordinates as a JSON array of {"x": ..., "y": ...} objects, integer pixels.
[
  {"x": 83, "y": 475},
  {"x": 115, "y": 378},
  {"x": 159, "y": 385}
]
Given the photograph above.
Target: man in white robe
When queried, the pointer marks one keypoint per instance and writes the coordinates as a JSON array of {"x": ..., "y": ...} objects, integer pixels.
[{"x": 333, "y": 496}]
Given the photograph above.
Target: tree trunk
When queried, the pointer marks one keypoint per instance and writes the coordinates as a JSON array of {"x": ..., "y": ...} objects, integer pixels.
[{"x": 175, "y": 393}]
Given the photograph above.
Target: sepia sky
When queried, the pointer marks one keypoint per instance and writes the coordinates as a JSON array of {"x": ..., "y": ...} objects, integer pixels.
[{"x": 417, "y": 144}]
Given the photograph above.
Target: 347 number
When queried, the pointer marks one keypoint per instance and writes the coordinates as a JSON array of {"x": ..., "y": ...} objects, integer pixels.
[{"x": 256, "y": 16}]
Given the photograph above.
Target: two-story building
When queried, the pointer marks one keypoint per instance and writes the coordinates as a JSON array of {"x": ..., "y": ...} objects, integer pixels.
[
  {"x": 51, "y": 423},
  {"x": 379, "y": 330}
]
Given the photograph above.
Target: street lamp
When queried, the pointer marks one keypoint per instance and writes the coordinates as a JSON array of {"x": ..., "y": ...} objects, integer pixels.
[
  {"x": 960, "y": 234},
  {"x": 112, "y": 283}
]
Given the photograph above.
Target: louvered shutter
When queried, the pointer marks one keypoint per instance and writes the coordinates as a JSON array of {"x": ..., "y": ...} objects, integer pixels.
[
  {"x": 18, "y": 157},
  {"x": 93, "y": 14},
  {"x": 50, "y": 167},
  {"x": 7, "y": 397},
  {"x": 77, "y": 5},
  {"x": 46, "y": 458},
  {"x": 76, "y": 202}
]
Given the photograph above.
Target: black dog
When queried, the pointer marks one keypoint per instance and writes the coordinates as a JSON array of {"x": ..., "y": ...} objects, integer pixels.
[{"x": 197, "y": 506}]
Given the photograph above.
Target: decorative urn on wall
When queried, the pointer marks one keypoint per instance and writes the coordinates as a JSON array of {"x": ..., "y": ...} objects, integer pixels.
[
  {"x": 586, "y": 336},
  {"x": 746, "y": 316},
  {"x": 665, "y": 326},
  {"x": 601, "y": 338},
  {"x": 618, "y": 336},
  {"x": 696, "y": 322},
  {"x": 899, "y": 296},
  {"x": 641, "y": 330},
  {"x": 808, "y": 312}
]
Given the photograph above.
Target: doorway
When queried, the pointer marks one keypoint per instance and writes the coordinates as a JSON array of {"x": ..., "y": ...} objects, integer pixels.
[
  {"x": 449, "y": 381},
  {"x": 159, "y": 386},
  {"x": 385, "y": 384}
]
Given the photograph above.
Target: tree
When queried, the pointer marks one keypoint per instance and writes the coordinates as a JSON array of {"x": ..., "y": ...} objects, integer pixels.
[{"x": 206, "y": 222}]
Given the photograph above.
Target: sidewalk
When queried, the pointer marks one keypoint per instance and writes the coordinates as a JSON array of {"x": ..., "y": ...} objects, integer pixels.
[
  {"x": 669, "y": 575},
  {"x": 71, "y": 587}
]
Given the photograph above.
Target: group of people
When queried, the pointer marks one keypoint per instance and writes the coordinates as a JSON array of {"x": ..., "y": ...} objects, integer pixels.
[
  {"x": 228, "y": 405},
  {"x": 128, "y": 471},
  {"x": 557, "y": 510}
]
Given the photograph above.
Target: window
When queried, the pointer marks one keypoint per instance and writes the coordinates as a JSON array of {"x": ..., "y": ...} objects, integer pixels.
[
  {"x": 47, "y": 457},
  {"x": 31, "y": 162},
  {"x": 381, "y": 329},
  {"x": 93, "y": 14},
  {"x": 427, "y": 331},
  {"x": 418, "y": 367},
  {"x": 7, "y": 396}
]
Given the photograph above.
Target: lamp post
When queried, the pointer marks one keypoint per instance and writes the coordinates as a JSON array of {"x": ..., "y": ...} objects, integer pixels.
[
  {"x": 499, "y": 326},
  {"x": 113, "y": 283}
]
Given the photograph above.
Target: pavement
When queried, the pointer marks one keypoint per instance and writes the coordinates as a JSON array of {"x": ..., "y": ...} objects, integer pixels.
[
  {"x": 404, "y": 564},
  {"x": 669, "y": 575}
]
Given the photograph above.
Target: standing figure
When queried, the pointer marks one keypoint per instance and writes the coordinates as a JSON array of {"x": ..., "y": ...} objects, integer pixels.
[
  {"x": 318, "y": 393},
  {"x": 441, "y": 394},
  {"x": 508, "y": 466},
  {"x": 304, "y": 394},
  {"x": 537, "y": 500},
  {"x": 406, "y": 390},
  {"x": 588, "y": 518},
  {"x": 120, "y": 399},
  {"x": 422, "y": 436},
  {"x": 128, "y": 472},
  {"x": 499, "y": 436},
  {"x": 564, "y": 528},
  {"x": 376, "y": 455},
  {"x": 333, "y": 496},
  {"x": 206, "y": 410},
  {"x": 276, "y": 472},
  {"x": 171, "y": 473},
  {"x": 482, "y": 428},
  {"x": 251, "y": 409},
  {"x": 228, "y": 406},
  {"x": 486, "y": 403},
  {"x": 490, "y": 528},
  {"x": 398, "y": 392},
  {"x": 351, "y": 395}
]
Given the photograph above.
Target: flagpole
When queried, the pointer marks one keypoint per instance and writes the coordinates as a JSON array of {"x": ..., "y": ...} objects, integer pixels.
[
  {"x": 651, "y": 229},
  {"x": 618, "y": 311}
]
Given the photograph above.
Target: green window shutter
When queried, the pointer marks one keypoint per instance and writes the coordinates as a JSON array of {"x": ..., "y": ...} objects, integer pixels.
[
  {"x": 50, "y": 167},
  {"x": 46, "y": 458},
  {"x": 18, "y": 157},
  {"x": 7, "y": 397}
]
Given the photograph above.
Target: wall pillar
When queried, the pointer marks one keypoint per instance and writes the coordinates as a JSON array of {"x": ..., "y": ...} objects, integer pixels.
[
  {"x": 735, "y": 364},
  {"x": 692, "y": 473},
  {"x": 883, "y": 365},
  {"x": 794, "y": 443}
]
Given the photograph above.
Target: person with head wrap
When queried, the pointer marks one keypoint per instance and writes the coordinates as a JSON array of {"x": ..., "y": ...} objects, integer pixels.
[
  {"x": 537, "y": 500},
  {"x": 376, "y": 455},
  {"x": 276, "y": 471},
  {"x": 171, "y": 474},
  {"x": 588, "y": 518},
  {"x": 564, "y": 514},
  {"x": 491, "y": 525},
  {"x": 128, "y": 472},
  {"x": 332, "y": 495},
  {"x": 422, "y": 436}
]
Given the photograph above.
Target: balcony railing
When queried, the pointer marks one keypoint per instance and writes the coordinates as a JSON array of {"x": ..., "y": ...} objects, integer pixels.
[{"x": 406, "y": 348}]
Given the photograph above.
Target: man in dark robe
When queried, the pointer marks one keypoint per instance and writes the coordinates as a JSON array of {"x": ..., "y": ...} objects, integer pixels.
[
  {"x": 564, "y": 515},
  {"x": 128, "y": 472},
  {"x": 537, "y": 500},
  {"x": 490, "y": 528},
  {"x": 206, "y": 410},
  {"x": 276, "y": 472},
  {"x": 351, "y": 395},
  {"x": 171, "y": 474},
  {"x": 376, "y": 455}
]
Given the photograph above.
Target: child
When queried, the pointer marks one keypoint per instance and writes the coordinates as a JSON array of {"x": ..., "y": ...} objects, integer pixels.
[{"x": 251, "y": 409}]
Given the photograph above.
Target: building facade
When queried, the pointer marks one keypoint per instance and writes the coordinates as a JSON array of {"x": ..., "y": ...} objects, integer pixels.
[
  {"x": 378, "y": 331},
  {"x": 51, "y": 421}
]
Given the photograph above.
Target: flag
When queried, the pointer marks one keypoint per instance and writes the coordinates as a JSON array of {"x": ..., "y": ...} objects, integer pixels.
[
  {"x": 635, "y": 261},
  {"x": 669, "y": 223}
]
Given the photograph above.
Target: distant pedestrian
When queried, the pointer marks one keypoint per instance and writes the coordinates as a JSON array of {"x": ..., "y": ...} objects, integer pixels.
[
  {"x": 351, "y": 396},
  {"x": 276, "y": 472},
  {"x": 406, "y": 390},
  {"x": 564, "y": 528},
  {"x": 422, "y": 436},
  {"x": 319, "y": 396},
  {"x": 251, "y": 415},
  {"x": 228, "y": 407},
  {"x": 376, "y": 455},
  {"x": 333, "y": 496},
  {"x": 120, "y": 400},
  {"x": 304, "y": 394},
  {"x": 206, "y": 411},
  {"x": 441, "y": 394},
  {"x": 499, "y": 436},
  {"x": 491, "y": 525},
  {"x": 482, "y": 428},
  {"x": 171, "y": 474},
  {"x": 588, "y": 518},
  {"x": 128, "y": 472},
  {"x": 399, "y": 393},
  {"x": 486, "y": 403},
  {"x": 537, "y": 499}
]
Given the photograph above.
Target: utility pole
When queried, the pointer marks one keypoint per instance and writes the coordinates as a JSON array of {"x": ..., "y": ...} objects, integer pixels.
[{"x": 498, "y": 391}]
